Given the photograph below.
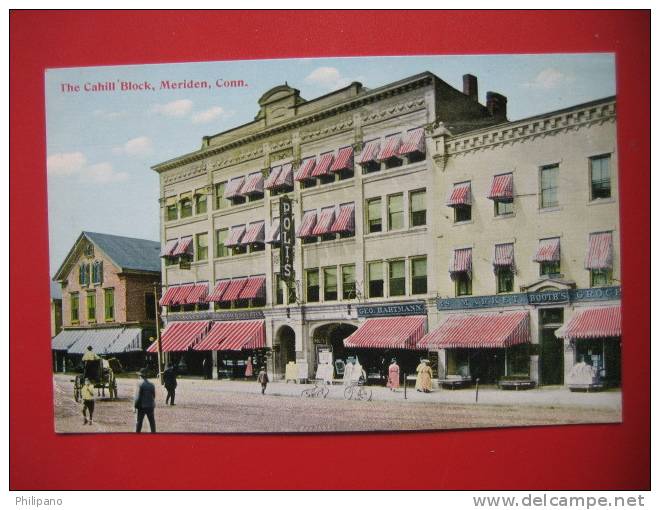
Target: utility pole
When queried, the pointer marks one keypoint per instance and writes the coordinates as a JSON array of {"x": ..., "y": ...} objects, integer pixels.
[{"x": 158, "y": 344}]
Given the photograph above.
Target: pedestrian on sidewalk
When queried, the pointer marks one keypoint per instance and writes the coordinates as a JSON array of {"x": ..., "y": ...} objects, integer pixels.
[
  {"x": 424, "y": 376},
  {"x": 169, "y": 381},
  {"x": 393, "y": 375},
  {"x": 145, "y": 402},
  {"x": 262, "y": 379},
  {"x": 87, "y": 392},
  {"x": 249, "y": 369}
]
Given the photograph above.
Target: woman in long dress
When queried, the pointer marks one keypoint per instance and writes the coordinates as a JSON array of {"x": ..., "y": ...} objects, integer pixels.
[
  {"x": 249, "y": 370},
  {"x": 424, "y": 376},
  {"x": 393, "y": 375}
]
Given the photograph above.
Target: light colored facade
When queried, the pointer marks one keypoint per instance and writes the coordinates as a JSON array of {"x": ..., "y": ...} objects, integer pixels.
[{"x": 462, "y": 140}]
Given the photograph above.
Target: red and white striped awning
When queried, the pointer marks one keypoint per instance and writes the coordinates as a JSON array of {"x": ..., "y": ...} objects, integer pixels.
[
  {"x": 323, "y": 166},
  {"x": 390, "y": 148},
  {"x": 414, "y": 142},
  {"x": 285, "y": 179},
  {"x": 325, "y": 221},
  {"x": 166, "y": 299},
  {"x": 181, "y": 294},
  {"x": 254, "y": 288},
  {"x": 344, "y": 160},
  {"x": 599, "y": 251},
  {"x": 272, "y": 177},
  {"x": 602, "y": 322},
  {"x": 234, "y": 336},
  {"x": 218, "y": 291},
  {"x": 274, "y": 232},
  {"x": 345, "y": 221},
  {"x": 460, "y": 195},
  {"x": 234, "y": 289},
  {"x": 197, "y": 294},
  {"x": 477, "y": 331},
  {"x": 307, "y": 224},
  {"x": 461, "y": 262},
  {"x": 179, "y": 336},
  {"x": 184, "y": 247},
  {"x": 235, "y": 236},
  {"x": 305, "y": 170},
  {"x": 388, "y": 333},
  {"x": 233, "y": 187},
  {"x": 503, "y": 255},
  {"x": 548, "y": 250},
  {"x": 254, "y": 234},
  {"x": 254, "y": 183},
  {"x": 169, "y": 248},
  {"x": 502, "y": 187},
  {"x": 370, "y": 151}
]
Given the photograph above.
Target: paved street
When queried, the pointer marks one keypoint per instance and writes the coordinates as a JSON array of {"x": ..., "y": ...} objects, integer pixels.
[{"x": 238, "y": 406}]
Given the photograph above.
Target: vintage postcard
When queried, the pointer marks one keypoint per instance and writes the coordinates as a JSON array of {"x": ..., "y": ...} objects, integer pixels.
[{"x": 325, "y": 245}]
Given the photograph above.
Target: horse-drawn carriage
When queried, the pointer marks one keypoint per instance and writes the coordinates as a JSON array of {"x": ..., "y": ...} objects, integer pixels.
[{"x": 102, "y": 373}]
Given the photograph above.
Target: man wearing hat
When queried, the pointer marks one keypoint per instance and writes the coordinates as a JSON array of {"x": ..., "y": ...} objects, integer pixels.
[{"x": 145, "y": 402}]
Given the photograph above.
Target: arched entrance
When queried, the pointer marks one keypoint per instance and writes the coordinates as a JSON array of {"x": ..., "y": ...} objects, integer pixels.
[
  {"x": 285, "y": 341},
  {"x": 332, "y": 336}
]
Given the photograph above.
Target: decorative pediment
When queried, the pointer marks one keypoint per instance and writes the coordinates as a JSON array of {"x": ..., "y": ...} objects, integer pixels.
[{"x": 548, "y": 284}]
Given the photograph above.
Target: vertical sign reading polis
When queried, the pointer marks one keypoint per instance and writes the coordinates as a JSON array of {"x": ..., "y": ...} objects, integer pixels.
[{"x": 287, "y": 240}]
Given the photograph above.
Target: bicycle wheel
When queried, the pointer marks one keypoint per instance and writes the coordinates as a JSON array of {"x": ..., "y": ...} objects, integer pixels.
[
  {"x": 305, "y": 393},
  {"x": 348, "y": 393},
  {"x": 325, "y": 392}
]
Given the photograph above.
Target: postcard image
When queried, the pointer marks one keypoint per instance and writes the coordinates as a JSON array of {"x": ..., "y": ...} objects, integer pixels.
[{"x": 336, "y": 244}]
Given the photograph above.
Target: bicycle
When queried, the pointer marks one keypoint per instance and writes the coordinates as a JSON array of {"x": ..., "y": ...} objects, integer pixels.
[
  {"x": 315, "y": 392},
  {"x": 357, "y": 392}
]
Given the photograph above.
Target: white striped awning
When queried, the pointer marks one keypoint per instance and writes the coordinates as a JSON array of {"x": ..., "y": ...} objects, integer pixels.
[
  {"x": 502, "y": 187},
  {"x": 184, "y": 247},
  {"x": 101, "y": 340},
  {"x": 255, "y": 287},
  {"x": 254, "y": 234},
  {"x": 234, "y": 336},
  {"x": 272, "y": 177},
  {"x": 233, "y": 188},
  {"x": 234, "y": 289},
  {"x": 548, "y": 250},
  {"x": 599, "y": 251},
  {"x": 305, "y": 170},
  {"x": 388, "y": 333},
  {"x": 325, "y": 221},
  {"x": 307, "y": 224},
  {"x": 181, "y": 294},
  {"x": 65, "y": 339},
  {"x": 274, "y": 232},
  {"x": 180, "y": 336},
  {"x": 461, "y": 262},
  {"x": 414, "y": 142},
  {"x": 254, "y": 184},
  {"x": 218, "y": 291},
  {"x": 344, "y": 160},
  {"x": 169, "y": 248},
  {"x": 197, "y": 294},
  {"x": 323, "y": 166},
  {"x": 345, "y": 221},
  {"x": 285, "y": 178},
  {"x": 370, "y": 152},
  {"x": 476, "y": 331},
  {"x": 460, "y": 195},
  {"x": 166, "y": 298},
  {"x": 235, "y": 236},
  {"x": 601, "y": 322},
  {"x": 390, "y": 148},
  {"x": 130, "y": 340},
  {"x": 503, "y": 255}
]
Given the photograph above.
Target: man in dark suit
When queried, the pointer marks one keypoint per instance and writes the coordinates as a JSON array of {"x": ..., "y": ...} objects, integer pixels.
[
  {"x": 145, "y": 402},
  {"x": 169, "y": 381}
]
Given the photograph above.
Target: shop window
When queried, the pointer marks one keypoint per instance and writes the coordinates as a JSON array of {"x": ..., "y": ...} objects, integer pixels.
[
  {"x": 397, "y": 278},
  {"x": 550, "y": 268},
  {"x": 463, "y": 283},
  {"x": 462, "y": 213},
  {"x": 220, "y": 237},
  {"x": 91, "y": 306},
  {"x": 172, "y": 212},
  {"x": 601, "y": 186},
  {"x": 503, "y": 207},
  {"x": 330, "y": 284},
  {"x": 75, "y": 307},
  {"x": 418, "y": 275},
  {"x": 348, "y": 282},
  {"x": 200, "y": 202},
  {"x": 149, "y": 306},
  {"x": 601, "y": 277},
  {"x": 186, "y": 207},
  {"x": 549, "y": 186},
  {"x": 504, "y": 279},
  {"x": 518, "y": 360},
  {"x": 219, "y": 191},
  {"x": 109, "y": 304},
  {"x": 312, "y": 285},
  {"x": 279, "y": 290},
  {"x": 375, "y": 270},
  {"x": 201, "y": 246},
  {"x": 374, "y": 215},
  {"x": 418, "y": 208},
  {"x": 395, "y": 211}
]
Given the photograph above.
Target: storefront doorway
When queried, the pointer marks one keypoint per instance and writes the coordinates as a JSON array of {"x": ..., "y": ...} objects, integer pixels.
[
  {"x": 604, "y": 354},
  {"x": 286, "y": 349},
  {"x": 552, "y": 348},
  {"x": 487, "y": 365}
]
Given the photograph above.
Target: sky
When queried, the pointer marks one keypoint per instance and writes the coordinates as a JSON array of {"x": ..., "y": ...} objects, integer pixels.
[{"x": 102, "y": 143}]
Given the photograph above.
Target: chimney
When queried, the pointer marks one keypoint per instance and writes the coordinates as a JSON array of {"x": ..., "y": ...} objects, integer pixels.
[
  {"x": 470, "y": 88},
  {"x": 496, "y": 104}
]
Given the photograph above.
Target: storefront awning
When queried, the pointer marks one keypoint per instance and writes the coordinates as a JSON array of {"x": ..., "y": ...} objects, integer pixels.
[
  {"x": 166, "y": 299},
  {"x": 305, "y": 170},
  {"x": 254, "y": 234},
  {"x": 234, "y": 336},
  {"x": 286, "y": 176},
  {"x": 460, "y": 195},
  {"x": 254, "y": 183},
  {"x": 129, "y": 340},
  {"x": 235, "y": 236},
  {"x": 233, "y": 188},
  {"x": 184, "y": 247},
  {"x": 169, "y": 248},
  {"x": 197, "y": 294},
  {"x": 65, "y": 339},
  {"x": 271, "y": 181},
  {"x": 100, "y": 339},
  {"x": 179, "y": 336},
  {"x": 234, "y": 289},
  {"x": 345, "y": 221},
  {"x": 255, "y": 287},
  {"x": 323, "y": 166},
  {"x": 218, "y": 291},
  {"x": 325, "y": 221},
  {"x": 461, "y": 262},
  {"x": 503, "y": 255},
  {"x": 599, "y": 252},
  {"x": 370, "y": 151},
  {"x": 599, "y": 322},
  {"x": 479, "y": 331},
  {"x": 390, "y": 148},
  {"x": 344, "y": 160},
  {"x": 502, "y": 187},
  {"x": 414, "y": 142},
  {"x": 388, "y": 333},
  {"x": 307, "y": 224}
]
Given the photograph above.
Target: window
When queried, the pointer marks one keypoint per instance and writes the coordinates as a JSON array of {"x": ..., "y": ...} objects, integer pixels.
[
  {"x": 91, "y": 306},
  {"x": 504, "y": 279},
  {"x": 463, "y": 283},
  {"x": 600, "y": 177},
  {"x": 171, "y": 211},
  {"x": 201, "y": 246},
  {"x": 220, "y": 237},
  {"x": 330, "y": 284},
  {"x": 550, "y": 268},
  {"x": 186, "y": 206},
  {"x": 200, "y": 202},
  {"x": 75, "y": 306},
  {"x": 549, "y": 186},
  {"x": 375, "y": 270},
  {"x": 601, "y": 277},
  {"x": 462, "y": 213},
  {"x": 279, "y": 290},
  {"x": 83, "y": 274},
  {"x": 374, "y": 215},
  {"x": 418, "y": 208},
  {"x": 312, "y": 285},
  {"x": 503, "y": 207},
  {"x": 97, "y": 272},
  {"x": 171, "y": 261},
  {"x": 348, "y": 282},
  {"x": 418, "y": 275},
  {"x": 397, "y": 278},
  {"x": 150, "y": 306},
  {"x": 109, "y": 303},
  {"x": 395, "y": 211},
  {"x": 219, "y": 191}
]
